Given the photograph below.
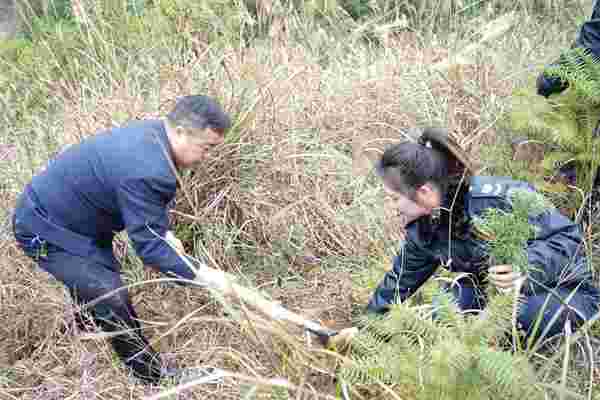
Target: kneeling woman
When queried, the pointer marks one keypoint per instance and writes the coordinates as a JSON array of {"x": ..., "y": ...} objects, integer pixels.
[{"x": 433, "y": 176}]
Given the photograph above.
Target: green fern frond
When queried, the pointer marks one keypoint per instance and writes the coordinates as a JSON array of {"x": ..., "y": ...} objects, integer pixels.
[
  {"x": 447, "y": 311},
  {"x": 581, "y": 70},
  {"x": 556, "y": 159},
  {"x": 375, "y": 325},
  {"x": 501, "y": 323},
  {"x": 528, "y": 115},
  {"x": 404, "y": 318},
  {"x": 369, "y": 370},
  {"x": 401, "y": 319},
  {"x": 445, "y": 362},
  {"x": 497, "y": 368},
  {"x": 567, "y": 120},
  {"x": 507, "y": 375},
  {"x": 527, "y": 203},
  {"x": 510, "y": 230},
  {"x": 367, "y": 343},
  {"x": 448, "y": 361},
  {"x": 587, "y": 158},
  {"x": 497, "y": 321}
]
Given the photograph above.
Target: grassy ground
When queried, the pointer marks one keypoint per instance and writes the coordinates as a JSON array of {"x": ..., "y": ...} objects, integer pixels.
[{"x": 289, "y": 205}]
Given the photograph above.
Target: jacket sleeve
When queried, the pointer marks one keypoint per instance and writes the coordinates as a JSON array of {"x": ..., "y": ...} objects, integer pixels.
[
  {"x": 588, "y": 36},
  {"x": 143, "y": 204},
  {"x": 413, "y": 265},
  {"x": 556, "y": 254}
]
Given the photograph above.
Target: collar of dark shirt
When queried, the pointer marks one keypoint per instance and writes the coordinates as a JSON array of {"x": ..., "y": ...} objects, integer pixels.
[{"x": 165, "y": 144}]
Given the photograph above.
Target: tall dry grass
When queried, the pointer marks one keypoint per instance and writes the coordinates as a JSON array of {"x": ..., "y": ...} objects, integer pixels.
[{"x": 289, "y": 203}]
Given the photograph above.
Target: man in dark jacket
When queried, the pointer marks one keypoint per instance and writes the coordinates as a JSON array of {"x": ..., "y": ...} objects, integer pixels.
[
  {"x": 120, "y": 179},
  {"x": 422, "y": 175}
]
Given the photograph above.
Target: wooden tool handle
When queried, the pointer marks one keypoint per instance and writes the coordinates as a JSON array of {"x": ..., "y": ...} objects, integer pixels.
[{"x": 225, "y": 284}]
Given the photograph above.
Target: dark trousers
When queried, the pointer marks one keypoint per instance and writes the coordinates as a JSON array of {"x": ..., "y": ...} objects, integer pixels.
[
  {"x": 472, "y": 297},
  {"x": 87, "y": 280}
]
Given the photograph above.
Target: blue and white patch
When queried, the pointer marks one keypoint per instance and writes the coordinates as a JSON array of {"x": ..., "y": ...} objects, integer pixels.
[{"x": 496, "y": 186}]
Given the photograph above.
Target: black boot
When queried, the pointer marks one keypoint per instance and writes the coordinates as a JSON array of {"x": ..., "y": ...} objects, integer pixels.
[{"x": 131, "y": 347}]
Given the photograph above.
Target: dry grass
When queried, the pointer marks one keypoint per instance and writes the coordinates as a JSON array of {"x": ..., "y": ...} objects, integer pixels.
[
  {"x": 304, "y": 152},
  {"x": 288, "y": 204}
]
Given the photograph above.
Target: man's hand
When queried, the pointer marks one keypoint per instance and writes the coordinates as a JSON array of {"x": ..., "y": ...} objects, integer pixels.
[
  {"x": 171, "y": 238},
  {"x": 342, "y": 340},
  {"x": 504, "y": 278}
]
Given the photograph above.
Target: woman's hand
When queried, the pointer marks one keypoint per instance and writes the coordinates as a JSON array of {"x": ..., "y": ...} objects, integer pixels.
[{"x": 504, "y": 278}]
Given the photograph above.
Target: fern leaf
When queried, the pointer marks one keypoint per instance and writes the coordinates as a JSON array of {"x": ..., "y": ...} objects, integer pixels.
[
  {"x": 401, "y": 319},
  {"x": 405, "y": 319},
  {"x": 369, "y": 370},
  {"x": 556, "y": 159},
  {"x": 448, "y": 361},
  {"x": 507, "y": 375},
  {"x": 581, "y": 69},
  {"x": 447, "y": 312},
  {"x": 496, "y": 322},
  {"x": 367, "y": 344}
]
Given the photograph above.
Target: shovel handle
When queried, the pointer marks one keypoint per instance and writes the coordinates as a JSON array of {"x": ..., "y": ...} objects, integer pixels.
[{"x": 224, "y": 282}]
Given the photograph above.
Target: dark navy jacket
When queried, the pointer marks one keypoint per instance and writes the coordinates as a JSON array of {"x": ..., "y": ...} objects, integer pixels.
[
  {"x": 118, "y": 179},
  {"x": 589, "y": 33},
  {"x": 556, "y": 252}
]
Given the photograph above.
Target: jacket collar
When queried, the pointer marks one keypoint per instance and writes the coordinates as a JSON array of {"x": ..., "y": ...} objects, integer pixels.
[{"x": 167, "y": 149}]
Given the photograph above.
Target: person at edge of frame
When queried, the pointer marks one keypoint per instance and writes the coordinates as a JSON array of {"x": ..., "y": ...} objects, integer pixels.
[{"x": 588, "y": 39}]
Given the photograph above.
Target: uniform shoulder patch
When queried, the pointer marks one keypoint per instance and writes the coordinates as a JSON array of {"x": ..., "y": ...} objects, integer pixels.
[{"x": 495, "y": 186}]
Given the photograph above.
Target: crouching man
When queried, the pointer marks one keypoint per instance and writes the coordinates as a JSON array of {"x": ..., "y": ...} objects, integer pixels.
[{"x": 119, "y": 179}]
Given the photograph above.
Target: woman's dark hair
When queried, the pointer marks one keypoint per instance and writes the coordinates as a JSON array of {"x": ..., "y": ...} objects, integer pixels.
[
  {"x": 406, "y": 166},
  {"x": 199, "y": 112}
]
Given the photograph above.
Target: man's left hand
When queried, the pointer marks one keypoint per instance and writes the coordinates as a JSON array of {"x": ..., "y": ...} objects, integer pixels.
[{"x": 503, "y": 277}]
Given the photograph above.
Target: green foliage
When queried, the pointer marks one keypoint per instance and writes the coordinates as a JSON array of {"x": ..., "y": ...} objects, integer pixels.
[
  {"x": 565, "y": 121},
  {"x": 357, "y": 8},
  {"x": 279, "y": 393},
  {"x": 58, "y": 51},
  {"x": 455, "y": 355},
  {"x": 220, "y": 20},
  {"x": 580, "y": 69},
  {"x": 509, "y": 231},
  {"x": 446, "y": 358}
]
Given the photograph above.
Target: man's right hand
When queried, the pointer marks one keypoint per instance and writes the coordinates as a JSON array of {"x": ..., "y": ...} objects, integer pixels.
[{"x": 342, "y": 340}]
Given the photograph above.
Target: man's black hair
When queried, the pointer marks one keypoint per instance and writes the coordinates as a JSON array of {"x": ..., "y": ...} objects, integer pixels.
[{"x": 199, "y": 112}]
